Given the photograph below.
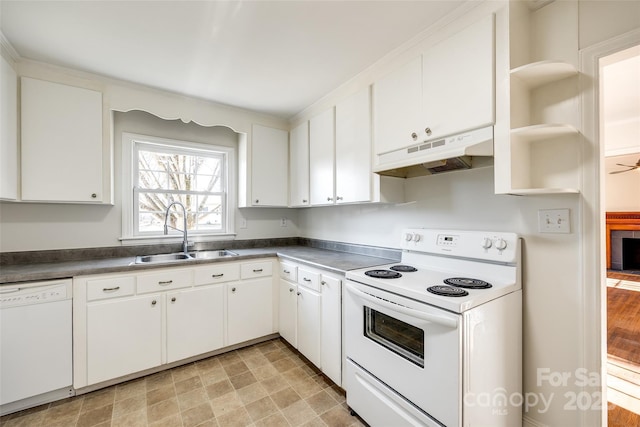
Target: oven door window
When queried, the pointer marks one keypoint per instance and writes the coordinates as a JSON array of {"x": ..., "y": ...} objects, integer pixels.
[{"x": 397, "y": 336}]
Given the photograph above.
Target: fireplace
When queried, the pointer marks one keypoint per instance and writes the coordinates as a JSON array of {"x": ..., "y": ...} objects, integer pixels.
[
  {"x": 631, "y": 253},
  {"x": 623, "y": 240}
]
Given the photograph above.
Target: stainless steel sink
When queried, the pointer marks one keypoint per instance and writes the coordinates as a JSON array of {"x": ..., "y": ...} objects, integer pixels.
[
  {"x": 162, "y": 258},
  {"x": 212, "y": 254},
  {"x": 181, "y": 256}
]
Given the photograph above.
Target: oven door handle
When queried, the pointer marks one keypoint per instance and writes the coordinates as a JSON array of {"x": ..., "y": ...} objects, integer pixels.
[{"x": 433, "y": 318}]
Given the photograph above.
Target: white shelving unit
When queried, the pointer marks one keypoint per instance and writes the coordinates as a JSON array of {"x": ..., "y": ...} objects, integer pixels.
[{"x": 542, "y": 152}]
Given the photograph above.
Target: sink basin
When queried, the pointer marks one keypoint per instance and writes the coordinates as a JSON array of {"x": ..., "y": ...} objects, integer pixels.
[
  {"x": 181, "y": 256},
  {"x": 162, "y": 258},
  {"x": 212, "y": 254}
]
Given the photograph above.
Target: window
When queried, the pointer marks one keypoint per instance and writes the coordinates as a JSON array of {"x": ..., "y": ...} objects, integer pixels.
[{"x": 165, "y": 171}]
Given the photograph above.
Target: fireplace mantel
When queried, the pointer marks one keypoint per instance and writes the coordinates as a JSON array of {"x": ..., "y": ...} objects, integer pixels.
[{"x": 620, "y": 221}]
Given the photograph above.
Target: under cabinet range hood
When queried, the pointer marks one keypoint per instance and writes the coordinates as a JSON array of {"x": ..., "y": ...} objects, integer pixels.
[{"x": 436, "y": 156}]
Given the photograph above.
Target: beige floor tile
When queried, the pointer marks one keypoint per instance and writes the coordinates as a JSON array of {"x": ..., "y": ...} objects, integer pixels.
[
  {"x": 275, "y": 383},
  {"x": 285, "y": 364},
  {"x": 243, "y": 380},
  {"x": 162, "y": 410},
  {"x": 339, "y": 417},
  {"x": 130, "y": 389},
  {"x": 306, "y": 387},
  {"x": 256, "y": 361},
  {"x": 277, "y": 354},
  {"x": 132, "y": 404},
  {"x": 235, "y": 368},
  {"x": 174, "y": 420},
  {"x": 213, "y": 375},
  {"x": 184, "y": 372},
  {"x": 315, "y": 422},
  {"x": 192, "y": 398},
  {"x": 70, "y": 408},
  {"x": 187, "y": 385},
  {"x": 298, "y": 413},
  {"x": 219, "y": 389},
  {"x": 159, "y": 394},
  {"x": 267, "y": 347},
  {"x": 132, "y": 419},
  {"x": 229, "y": 358},
  {"x": 296, "y": 374},
  {"x": 321, "y": 402},
  {"x": 264, "y": 372},
  {"x": 94, "y": 417},
  {"x": 236, "y": 418},
  {"x": 285, "y": 398},
  {"x": 161, "y": 379},
  {"x": 251, "y": 393},
  {"x": 98, "y": 399},
  {"x": 273, "y": 420},
  {"x": 34, "y": 419},
  {"x": 225, "y": 404},
  {"x": 197, "y": 415},
  {"x": 261, "y": 408}
]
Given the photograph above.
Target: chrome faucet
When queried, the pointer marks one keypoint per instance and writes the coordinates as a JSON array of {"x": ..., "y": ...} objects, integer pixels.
[{"x": 185, "y": 243}]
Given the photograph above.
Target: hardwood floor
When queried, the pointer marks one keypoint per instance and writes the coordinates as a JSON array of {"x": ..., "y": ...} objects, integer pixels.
[{"x": 623, "y": 348}]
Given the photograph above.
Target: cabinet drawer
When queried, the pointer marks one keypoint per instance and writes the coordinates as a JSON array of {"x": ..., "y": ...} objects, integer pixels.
[
  {"x": 288, "y": 271},
  {"x": 309, "y": 279},
  {"x": 256, "y": 269},
  {"x": 113, "y": 287},
  {"x": 216, "y": 273},
  {"x": 168, "y": 279}
]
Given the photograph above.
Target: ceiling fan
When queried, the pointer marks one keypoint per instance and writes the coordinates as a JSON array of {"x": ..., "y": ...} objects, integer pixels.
[{"x": 631, "y": 167}]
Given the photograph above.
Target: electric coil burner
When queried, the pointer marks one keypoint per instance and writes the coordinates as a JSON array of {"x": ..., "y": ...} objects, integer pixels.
[
  {"x": 463, "y": 282},
  {"x": 383, "y": 274},
  {"x": 447, "y": 291},
  {"x": 404, "y": 268}
]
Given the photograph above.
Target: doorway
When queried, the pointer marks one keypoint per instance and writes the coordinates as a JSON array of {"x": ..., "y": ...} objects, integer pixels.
[{"x": 619, "y": 123}]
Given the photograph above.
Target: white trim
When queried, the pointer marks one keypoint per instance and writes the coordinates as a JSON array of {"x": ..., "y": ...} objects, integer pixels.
[
  {"x": 593, "y": 212},
  {"x": 128, "y": 215},
  {"x": 8, "y": 48}
]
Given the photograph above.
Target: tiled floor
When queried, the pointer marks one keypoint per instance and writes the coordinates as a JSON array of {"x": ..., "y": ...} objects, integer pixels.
[{"x": 268, "y": 384}]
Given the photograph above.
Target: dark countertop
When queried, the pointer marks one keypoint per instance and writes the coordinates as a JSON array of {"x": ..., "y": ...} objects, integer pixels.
[{"x": 334, "y": 261}]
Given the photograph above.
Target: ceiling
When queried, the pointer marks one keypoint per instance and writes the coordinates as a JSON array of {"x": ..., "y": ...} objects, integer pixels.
[{"x": 276, "y": 57}]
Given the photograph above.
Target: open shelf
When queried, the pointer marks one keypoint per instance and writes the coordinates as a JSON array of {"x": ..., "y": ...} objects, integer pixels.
[
  {"x": 540, "y": 73},
  {"x": 542, "y": 131},
  {"x": 541, "y": 191}
]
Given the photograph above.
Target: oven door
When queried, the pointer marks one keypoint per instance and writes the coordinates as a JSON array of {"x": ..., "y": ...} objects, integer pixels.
[{"x": 412, "y": 347}]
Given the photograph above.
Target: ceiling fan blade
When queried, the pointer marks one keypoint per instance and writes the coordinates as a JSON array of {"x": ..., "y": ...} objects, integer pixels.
[
  {"x": 627, "y": 166},
  {"x": 626, "y": 170}
]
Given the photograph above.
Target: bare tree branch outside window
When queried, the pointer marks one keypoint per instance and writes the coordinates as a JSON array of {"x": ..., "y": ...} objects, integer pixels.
[{"x": 194, "y": 178}]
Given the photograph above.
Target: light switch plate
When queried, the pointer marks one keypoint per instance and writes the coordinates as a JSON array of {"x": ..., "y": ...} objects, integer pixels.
[{"x": 554, "y": 221}]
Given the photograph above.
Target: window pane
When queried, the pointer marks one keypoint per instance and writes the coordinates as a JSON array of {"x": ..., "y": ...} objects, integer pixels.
[{"x": 209, "y": 213}]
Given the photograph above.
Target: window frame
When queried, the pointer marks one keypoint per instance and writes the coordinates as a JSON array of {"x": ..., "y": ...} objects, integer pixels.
[{"x": 131, "y": 143}]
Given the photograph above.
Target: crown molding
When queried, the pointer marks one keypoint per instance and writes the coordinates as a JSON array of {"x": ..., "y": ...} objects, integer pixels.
[{"x": 8, "y": 48}]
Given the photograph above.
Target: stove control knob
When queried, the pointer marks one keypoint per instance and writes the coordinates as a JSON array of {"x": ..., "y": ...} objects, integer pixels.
[
  {"x": 501, "y": 244},
  {"x": 486, "y": 243},
  {"x": 408, "y": 237},
  {"x": 417, "y": 237}
]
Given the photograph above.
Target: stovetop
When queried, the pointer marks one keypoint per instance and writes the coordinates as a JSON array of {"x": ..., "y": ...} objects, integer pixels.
[{"x": 472, "y": 258}]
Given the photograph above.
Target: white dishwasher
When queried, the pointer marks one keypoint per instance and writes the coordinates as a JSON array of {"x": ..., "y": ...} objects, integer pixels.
[{"x": 35, "y": 344}]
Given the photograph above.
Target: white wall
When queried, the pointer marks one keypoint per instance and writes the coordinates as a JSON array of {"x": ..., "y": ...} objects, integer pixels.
[{"x": 28, "y": 227}]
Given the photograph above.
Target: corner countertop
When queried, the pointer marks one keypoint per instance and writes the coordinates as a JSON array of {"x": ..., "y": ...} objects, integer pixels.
[{"x": 333, "y": 261}]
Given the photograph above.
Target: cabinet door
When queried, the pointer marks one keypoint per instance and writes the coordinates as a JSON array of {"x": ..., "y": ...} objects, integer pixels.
[
  {"x": 397, "y": 106},
  {"x": 309, "y": 324},
  {"x": 322, "y": 158},
  {"x": 353, "y": 148},
  {"x": 288, "y": 311},
  {"x": 269, "y": 167},
  {"x": 8, "y": 131},
  {"x": 249, "y": 310},
  {"x": 459, "y": 81},
  {"x": 331, "y": 338},
  {"x": 299, "y": 165},
  {"x": 61, "y": 143},
  {"x": 195, "y": 322},
  {"x": 123, "y": 336}
]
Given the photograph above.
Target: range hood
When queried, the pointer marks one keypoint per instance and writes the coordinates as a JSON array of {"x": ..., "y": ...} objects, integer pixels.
[{"x": 436, "y": 156}]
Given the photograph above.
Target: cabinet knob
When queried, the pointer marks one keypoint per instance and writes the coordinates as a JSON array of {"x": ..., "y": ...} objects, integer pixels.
[
  {"x": 414, "y": 136},
  {"x": 338, "y": 198},
  {"x": 329, "y": 199},
  {"x": 290, "y": 289},
  {"x": 297, "y": 293},
  {"x": 323, "y": 283},
  {"x": 306, "y": 279},
  {"x": 233, "y": 289},
  {"x": 94, "y": 195},
  {"x": 427, "y": 131},
  {"x": 257, "y": 201},
  {"x": 154, "y": 302},
  {"x": 304, "y": 200}
]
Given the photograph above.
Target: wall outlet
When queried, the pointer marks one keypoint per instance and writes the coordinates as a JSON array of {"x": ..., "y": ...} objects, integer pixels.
[
  {"x": 554, "y": 221},
  {"x": 283, "y": 222}
]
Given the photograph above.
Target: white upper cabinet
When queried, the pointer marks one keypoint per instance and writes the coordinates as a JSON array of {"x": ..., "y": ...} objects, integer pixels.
[
  {"x": 62, "y": 146},
  {"x": 397, "y": 107},
  {"x": 269, "y": 167},
  {"x": 322, "y": 158},
  {"x": 299, "y": 165},
  {"x": 8, "y": 131},
  {"x": 353, "y": 148},
  {"x": 450, "y": 88},
  {"x": 458, "y": 81}
]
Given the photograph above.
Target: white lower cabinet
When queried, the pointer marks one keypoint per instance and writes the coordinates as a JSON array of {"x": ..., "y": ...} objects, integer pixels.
[
  {"x": 310, "y": 315},
  {"x": 123, "y": 336},
  {"x": 195, "y": 322},
  {"x": 250, "y": 310},
  {"x": 128, "y": 323}
]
